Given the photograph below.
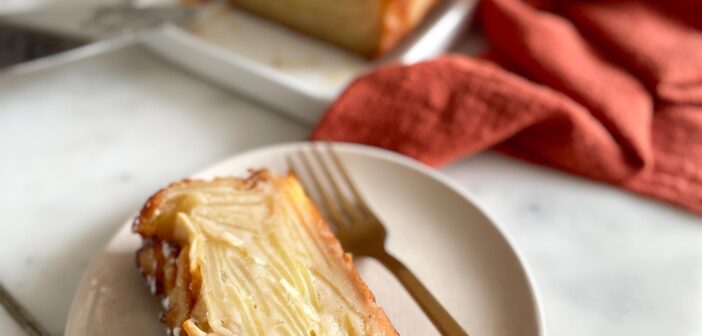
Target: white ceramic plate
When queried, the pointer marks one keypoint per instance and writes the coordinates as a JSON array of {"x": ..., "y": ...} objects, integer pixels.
[
  {"x": 458, "y": 252},
  {"x": 288, "y": 71}
]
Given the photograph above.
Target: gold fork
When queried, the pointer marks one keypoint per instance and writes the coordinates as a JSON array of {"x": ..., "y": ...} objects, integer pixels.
[{"x": 361, "y": 232}]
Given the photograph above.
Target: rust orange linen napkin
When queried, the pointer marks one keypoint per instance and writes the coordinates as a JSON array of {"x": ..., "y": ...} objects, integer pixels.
[{"x": 610, "y": 90}]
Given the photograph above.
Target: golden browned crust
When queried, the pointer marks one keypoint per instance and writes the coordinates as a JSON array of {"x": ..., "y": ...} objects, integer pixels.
[
  {"x": 165, "y": 268},
  {"x": 400, "y": 17},
  {"x": 332, "y": 243},
  {"x": 163, "y": 261},
  {"x": 374, "y": 28},
  {"x": 145, "y": 226}
]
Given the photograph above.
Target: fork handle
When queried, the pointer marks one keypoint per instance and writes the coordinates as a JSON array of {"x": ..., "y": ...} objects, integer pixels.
[{"x": 441, "y": 319}]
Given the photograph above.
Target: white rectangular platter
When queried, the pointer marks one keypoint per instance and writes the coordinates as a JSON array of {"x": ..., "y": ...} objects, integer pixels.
[{"x": 286, "y": 70}]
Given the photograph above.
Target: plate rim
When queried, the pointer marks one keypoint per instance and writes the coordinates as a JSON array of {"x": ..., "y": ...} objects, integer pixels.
[{"x": 379, "y": 153}]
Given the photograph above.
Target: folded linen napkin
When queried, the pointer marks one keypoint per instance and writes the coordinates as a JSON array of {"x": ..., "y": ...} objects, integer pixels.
[{"x": 610, "y": 90}]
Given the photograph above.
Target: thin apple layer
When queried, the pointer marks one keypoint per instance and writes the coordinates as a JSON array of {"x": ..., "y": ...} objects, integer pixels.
[{"x": 251, "y": 257}]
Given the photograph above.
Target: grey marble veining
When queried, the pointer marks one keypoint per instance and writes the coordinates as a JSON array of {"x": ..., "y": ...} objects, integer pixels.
[{"x": 82, "y": 146}]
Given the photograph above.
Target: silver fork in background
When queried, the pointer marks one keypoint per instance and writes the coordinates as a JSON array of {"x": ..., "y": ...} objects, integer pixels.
[
  {"x": 20, "y": 314},
  {"x": 359, "y": 230}
]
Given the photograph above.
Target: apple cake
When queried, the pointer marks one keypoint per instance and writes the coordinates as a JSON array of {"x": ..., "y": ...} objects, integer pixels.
[{"x": 250, "y": 256}]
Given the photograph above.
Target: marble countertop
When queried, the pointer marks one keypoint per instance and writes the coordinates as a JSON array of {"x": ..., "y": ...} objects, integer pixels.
[{"x": 83, "y": 145}]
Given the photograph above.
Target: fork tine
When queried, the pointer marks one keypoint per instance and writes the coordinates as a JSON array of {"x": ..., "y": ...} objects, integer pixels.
[
  {"x": 353, "y": 213},
  {"x": 326, "y": 199},
  {"x": 293, "y": 167},
  {"x": 345, "y": 175}
]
